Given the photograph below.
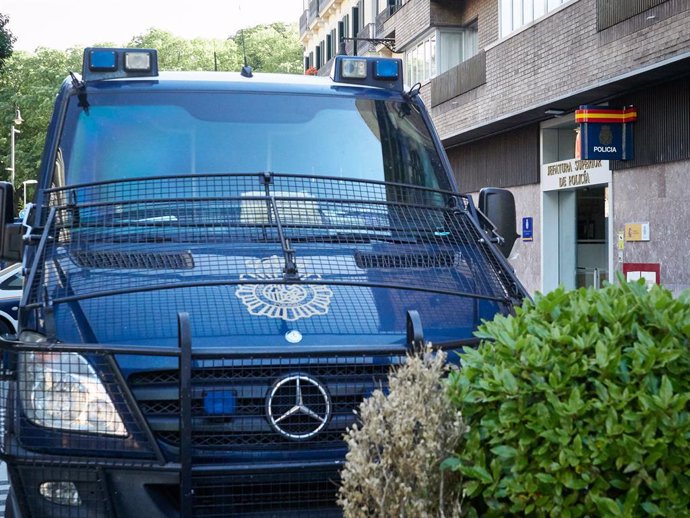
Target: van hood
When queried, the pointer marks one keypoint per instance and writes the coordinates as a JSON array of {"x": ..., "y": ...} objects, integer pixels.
[{"x": 339, "y": 296}]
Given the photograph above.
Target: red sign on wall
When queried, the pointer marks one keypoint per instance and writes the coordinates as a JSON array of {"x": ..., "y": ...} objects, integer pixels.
[{"x": 651, "y": 272}]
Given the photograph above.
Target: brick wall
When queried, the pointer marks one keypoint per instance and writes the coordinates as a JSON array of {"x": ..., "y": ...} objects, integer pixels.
[
  {"x": 486, "y": 14},
  {"x": 411, "y": 20},
  {"x": 447, "y": 14},
  {"x": 416, "y": 17},
  {"x": 561, "y": 54}
]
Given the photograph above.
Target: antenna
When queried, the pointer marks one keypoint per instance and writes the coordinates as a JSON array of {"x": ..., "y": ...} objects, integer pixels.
[
  {"x": 246, "y": 69},
  {"x": 215, "y": 57}
]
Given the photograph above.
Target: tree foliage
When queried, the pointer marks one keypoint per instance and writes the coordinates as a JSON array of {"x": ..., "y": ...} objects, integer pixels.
[
  {"x": 30, "y": 81},
  {"x": 176, "y": 53},
  {"x": 6, "y": 40},
  {"x": 271, "y": 48}
]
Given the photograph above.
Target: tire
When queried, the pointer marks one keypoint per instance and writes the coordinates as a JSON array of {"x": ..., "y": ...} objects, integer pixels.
[{"x": 9, "y": 510}]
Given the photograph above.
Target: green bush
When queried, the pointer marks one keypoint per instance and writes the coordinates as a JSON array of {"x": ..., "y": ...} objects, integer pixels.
[
  {"x": 577, "y": 406},
  {"x": 395, "y": 453}
]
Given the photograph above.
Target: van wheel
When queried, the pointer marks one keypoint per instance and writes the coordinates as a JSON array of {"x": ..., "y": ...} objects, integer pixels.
[{"x": 9, "y": 510}]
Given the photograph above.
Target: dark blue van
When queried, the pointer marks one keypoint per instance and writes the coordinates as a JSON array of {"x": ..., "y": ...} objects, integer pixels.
[{"x": 219, "y": 268}]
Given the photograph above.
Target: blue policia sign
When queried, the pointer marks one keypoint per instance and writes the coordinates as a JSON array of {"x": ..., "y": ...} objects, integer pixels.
[{"x": 606, "y": 134}]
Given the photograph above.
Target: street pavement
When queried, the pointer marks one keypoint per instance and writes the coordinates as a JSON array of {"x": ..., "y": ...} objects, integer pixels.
[
  {"x": 4, "y": 488},
  {"x": 4, "y": 481}
]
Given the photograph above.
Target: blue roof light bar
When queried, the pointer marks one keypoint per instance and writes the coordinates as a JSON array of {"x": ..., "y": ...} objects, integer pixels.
[
  {"x": 369, "y": 71},
  {"x": 103, "y": 60},
  {"x": 110, "y": 63}
]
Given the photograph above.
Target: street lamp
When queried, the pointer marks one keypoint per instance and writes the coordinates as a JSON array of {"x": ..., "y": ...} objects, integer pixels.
[{"x": 16, "y": 122}]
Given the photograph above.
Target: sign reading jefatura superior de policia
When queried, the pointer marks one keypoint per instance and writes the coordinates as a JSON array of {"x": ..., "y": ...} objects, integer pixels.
[{"x": 571, "y": 174}]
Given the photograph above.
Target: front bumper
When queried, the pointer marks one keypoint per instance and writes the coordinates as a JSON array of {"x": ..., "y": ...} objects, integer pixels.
[
  {"x": 121, "y": 491},
  {"x": 184, "y": 473}
]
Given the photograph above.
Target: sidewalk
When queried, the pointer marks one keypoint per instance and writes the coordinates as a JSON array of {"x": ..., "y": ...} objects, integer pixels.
[
  {"x": 4, "y": 488},
  {"x": 4, "y": 482}
]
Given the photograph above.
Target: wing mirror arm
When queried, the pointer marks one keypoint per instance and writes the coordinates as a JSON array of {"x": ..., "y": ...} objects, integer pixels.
[{"x": 497, "y": 216}]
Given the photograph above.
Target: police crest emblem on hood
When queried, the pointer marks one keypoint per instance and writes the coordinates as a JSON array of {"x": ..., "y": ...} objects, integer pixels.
[{"x": 288, "y": 302}]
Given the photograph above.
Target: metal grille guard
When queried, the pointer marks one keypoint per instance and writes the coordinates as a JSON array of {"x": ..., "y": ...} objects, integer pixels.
[
  {"x": 105, "y": 225},
  {"x": 21, "y": 451}
]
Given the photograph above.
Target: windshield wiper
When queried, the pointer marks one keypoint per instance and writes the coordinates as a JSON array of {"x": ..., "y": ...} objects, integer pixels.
[
  {"x": 290, "y": 268},
  {"x": 351, "y": 238}
]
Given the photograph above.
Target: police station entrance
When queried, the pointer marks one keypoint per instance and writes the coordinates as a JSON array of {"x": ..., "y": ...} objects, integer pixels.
[
  {"x": 575, "y": 219},
  {"x": 592, "y": 237}
]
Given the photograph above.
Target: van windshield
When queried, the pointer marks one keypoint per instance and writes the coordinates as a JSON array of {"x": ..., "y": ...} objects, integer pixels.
[{"x": 127, "y": 135}]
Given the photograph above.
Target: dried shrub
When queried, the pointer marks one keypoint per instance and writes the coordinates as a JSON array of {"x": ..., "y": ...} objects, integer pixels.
[{"x": 393, "y": 467}]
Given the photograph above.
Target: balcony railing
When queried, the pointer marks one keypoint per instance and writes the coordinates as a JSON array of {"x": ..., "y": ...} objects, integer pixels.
[
  {"x": 303, "y": 22},
  {"x": 385, "y": 15},
  {"x": 611, "y": 12},
  {"x": 313, "y": 11},
  {"x": 462, "y": 78},
  {"x": 325, "y": 69},
  {"x": 324, "y": 5},
  {"x": 367, "y": 32}
]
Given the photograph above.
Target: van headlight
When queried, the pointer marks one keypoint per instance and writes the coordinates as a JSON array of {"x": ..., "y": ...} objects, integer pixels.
[{"x": 61, "y": 390}]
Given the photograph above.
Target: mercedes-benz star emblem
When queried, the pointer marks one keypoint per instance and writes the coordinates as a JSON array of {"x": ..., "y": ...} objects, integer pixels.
[{"x": 298, "y": 406}]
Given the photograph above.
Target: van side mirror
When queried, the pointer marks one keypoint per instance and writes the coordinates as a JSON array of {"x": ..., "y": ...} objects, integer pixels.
[
  {"x": 498, "y": 205},
  {"x": 11, "y": 243}
]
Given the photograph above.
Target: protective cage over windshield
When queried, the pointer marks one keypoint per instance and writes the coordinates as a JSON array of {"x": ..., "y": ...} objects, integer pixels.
[{"x": 247, "y": 252}]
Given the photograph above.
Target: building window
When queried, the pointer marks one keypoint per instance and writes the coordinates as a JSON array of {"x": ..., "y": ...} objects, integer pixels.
[
  {"x": 440, "y": 51},
  {"x": 394, "y": 5},
  {"x": 420, "y": 60},
  {"x": 346, "y": 26},
  {"x": 514, "y": 14}
]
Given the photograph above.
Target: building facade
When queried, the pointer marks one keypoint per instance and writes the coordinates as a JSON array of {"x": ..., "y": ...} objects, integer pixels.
[{"x": 503, "y": 80}]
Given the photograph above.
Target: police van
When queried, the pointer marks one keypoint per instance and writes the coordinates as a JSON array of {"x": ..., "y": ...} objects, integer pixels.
[{"x": 219, "y": 268}]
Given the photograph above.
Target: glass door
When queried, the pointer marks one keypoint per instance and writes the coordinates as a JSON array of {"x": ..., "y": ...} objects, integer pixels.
[{"x": 592, "y": 259}]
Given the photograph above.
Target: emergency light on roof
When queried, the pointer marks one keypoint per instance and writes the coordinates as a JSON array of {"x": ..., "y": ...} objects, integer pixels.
[
  {"x": 107, "y": 63},
  {"x": 369, "y": 71}
]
